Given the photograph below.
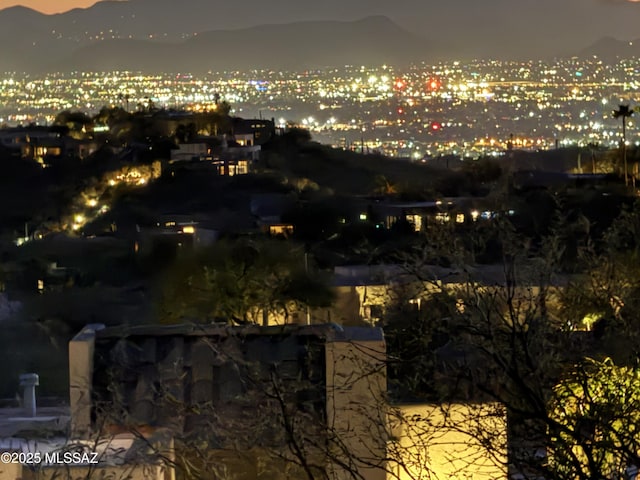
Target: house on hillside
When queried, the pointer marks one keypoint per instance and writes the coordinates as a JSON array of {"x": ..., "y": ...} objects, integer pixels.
[
  {"x": 194, "y": 151},
  {"x": 544, "y": 180},
  {"x": 365, "y": 291},
  {"x": 33, "y": 143},
  {"x": 175, "y": 231},
  {"x": 44, "y": 145},
  {"x": 251, "y": 132},
  {"x": 232, "y": 159},
  {"x": 269, "y": 209},
  {"x": 416, "y": 216},
  {"x": 228, "y": 158}
]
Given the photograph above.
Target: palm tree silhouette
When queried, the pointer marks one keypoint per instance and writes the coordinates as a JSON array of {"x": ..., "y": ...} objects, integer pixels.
[{"x": 624, "y": 112}]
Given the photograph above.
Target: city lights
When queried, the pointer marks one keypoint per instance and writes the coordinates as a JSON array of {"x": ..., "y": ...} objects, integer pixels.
[{"x": 537, "y": 102}]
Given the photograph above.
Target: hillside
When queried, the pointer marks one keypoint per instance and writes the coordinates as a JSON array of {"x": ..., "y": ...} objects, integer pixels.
[
  {"x": 610, "y": 50},
  {"x": 372, "y": 40}
]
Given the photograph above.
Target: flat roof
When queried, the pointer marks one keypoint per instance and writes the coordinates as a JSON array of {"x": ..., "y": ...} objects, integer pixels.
[{"x": 330, "y": 331}]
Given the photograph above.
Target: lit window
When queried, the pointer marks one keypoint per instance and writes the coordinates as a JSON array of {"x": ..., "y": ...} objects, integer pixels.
[
  {"x": 442, "y": 217},
  {"x": 416, "y": 220},
  {"x": 281, "y": 230}
]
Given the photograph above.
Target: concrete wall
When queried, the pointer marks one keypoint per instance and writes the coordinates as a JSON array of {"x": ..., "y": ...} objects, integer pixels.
[
  {"x": 448, "y": 442},
  {"x": 124, "y": 472},
  {"x": 10, "y": 471},
  {"x": 81, "y": 350},
  {"x": 356, "y": 406}
]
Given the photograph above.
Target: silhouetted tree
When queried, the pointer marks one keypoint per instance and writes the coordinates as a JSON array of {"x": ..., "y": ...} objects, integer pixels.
[
  {"x": 513, "y": 339},
  {"x": 240, "y": 282},
  {"x": 76, "y": 121},
  {"x": 623, "y": 112}
]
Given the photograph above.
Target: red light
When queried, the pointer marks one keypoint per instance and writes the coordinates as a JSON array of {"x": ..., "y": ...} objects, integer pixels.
[
  {"x": 400, "y": 111},
  {"x": 435, "y": 126},
  {"x": 434, "y": 84},
  {"x": 400, "y": 84}
]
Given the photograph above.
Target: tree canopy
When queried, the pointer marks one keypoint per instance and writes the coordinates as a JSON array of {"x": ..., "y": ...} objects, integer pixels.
[{"x": 240, "y": 282}]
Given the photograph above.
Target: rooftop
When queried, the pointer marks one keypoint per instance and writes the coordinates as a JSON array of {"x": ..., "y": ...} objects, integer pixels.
[
  {"x": 48, "y": 421},
  {"x": 327, "y": 331},
  {"x": 487, "y": 275}
]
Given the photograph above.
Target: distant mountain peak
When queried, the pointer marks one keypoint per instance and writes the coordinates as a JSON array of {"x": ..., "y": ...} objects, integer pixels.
[
  {"x": 102, "y": 37},
  {"x": 20, "y": 10},
  {"x": 349, "y": 42},
  {"x": 610, "y": 49}
]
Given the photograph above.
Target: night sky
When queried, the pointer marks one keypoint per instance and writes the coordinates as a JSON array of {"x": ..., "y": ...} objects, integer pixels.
[{"x": 554, "y": 26}]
